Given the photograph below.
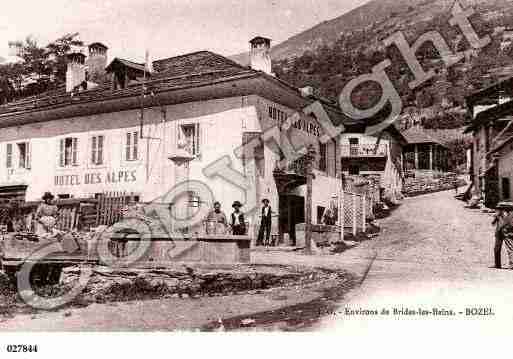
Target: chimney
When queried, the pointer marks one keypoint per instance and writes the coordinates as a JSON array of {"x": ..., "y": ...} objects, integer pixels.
[
  {"x": 15, "y": 48},
  {"x": 76, "y": 72},
  {"x": 97, "y": 62},
  {"x": 260, "y": 55}
]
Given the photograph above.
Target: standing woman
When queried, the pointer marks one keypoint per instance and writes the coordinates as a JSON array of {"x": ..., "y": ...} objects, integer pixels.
[
  {"x": 46, "y": 215},
  {"x": 237, "y": 220}
]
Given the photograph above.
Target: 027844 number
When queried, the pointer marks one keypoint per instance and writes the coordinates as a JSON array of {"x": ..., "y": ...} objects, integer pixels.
[{"x": 21, "y": 348}]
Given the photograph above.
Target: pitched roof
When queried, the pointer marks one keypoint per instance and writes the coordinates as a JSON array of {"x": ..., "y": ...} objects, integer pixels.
[
  {"x": 195, "y": 63},
  {"x": 416, "y": 135},
  {"x": 128, "y": 63},
  {"x": 491, "y": 114},
  {"x": 190, "y": 71}
]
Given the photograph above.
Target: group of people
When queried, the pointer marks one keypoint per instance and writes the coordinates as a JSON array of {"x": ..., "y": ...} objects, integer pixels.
[
  {"x": 47, "y": 213},
  {"x": 237, "y": 221},
  {"x": 503, "y": 221}
]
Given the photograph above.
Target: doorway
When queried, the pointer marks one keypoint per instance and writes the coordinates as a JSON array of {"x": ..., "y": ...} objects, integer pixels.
[{"x": 292, "y": 212}]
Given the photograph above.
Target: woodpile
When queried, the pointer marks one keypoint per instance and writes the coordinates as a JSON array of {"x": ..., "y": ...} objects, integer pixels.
[{"x": 428, "y": 184}]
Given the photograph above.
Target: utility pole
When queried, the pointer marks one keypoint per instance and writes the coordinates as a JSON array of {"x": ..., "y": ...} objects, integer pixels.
[{"x": 309, "y": 161}]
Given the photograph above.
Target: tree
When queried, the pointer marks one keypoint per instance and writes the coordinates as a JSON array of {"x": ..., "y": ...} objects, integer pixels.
[
  {"x": 43, "y": 68},
  {"x": 56, "y": 54}
]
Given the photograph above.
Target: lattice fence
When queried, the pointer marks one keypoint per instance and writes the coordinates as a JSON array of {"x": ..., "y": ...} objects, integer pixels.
[{"x": 357, "y": 209}]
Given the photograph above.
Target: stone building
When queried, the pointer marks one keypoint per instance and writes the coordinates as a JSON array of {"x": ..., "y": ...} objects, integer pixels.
[
  {"x": 123, "y": 134},
  {"x": 490, "y": 110},
  {"x": 366, "y": 156}
]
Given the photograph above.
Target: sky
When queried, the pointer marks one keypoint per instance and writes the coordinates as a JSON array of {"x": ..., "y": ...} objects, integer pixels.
[{"x": 165, "y": 27}]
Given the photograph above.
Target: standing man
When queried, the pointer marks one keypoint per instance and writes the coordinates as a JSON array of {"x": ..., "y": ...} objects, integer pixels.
[
  {"x": 218, "y": 217},
  {"x": 265, "y": 224},
  {"x": 498, "y": 221},
  {"x": 237, "y": 220},
  {"x": 506, "y": 230}
]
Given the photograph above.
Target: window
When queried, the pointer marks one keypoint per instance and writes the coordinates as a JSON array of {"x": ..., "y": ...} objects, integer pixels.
[
  {"x": 194, "y": 200},
  {"x": 323, "y": 151},
  {"x": 131, "y": 150},
  {"x": 354, "y": 146},
  {"x": 191, "y": 136},
  {"x": 320, "y": 214},
  {"x": 24, "y": 155},
  {"x": 506, "y": 189},
  {"x": 354, "y": 170},
  {"x": 68, "y": 155},
  {"x": 8, "y": 162},
  {"x": 97, "y": 150}
]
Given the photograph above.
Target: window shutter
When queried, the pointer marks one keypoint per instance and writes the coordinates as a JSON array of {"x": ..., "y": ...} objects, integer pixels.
[
  {"x": 74, "y": 145},
  {"x": 93, "y": 150},
  {"x": 197, "y": 149},
  {"x": 179, "y": 135},
  {"x": 99, "y": 151},
  {"x": 61, "y": 152},
  {"x": 135, "y": 149},
  {"x": 28, "y": 159},
  {"x": 128, "y": 146},
  {"x": 8, "y": 162}
]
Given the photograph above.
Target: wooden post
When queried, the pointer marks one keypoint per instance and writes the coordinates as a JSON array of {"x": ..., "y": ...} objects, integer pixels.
[
  {"x": 431, "y": 157},
  {"x": 309, "y": 158},
  {"x": 364, "y": 215},
  {"x": 340, "y": 206},
  {"x": 416, "y": 157},
  {"x": 354, "y": 214}
]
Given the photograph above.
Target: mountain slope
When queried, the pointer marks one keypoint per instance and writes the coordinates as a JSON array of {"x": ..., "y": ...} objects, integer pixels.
[
  {"x": 384, "y": 13},
  {"x": 328, "y": 32}
]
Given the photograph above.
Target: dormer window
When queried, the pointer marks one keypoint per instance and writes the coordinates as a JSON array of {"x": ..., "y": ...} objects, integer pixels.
[{"x": 123, "y": 72}]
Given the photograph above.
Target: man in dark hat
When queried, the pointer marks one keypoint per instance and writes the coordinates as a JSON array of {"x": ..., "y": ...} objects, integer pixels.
[
  {"x": 237, "y": 220},
  {"x": 497, "y": 249},
  {"x": 265, "y": 224},
  {"x": 505, "y": 229}
]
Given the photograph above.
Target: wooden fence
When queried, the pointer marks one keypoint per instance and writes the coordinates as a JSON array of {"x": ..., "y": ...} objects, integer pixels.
[
  {"x": 109, "y": 208},
  {"x": 73, "y": 214}
]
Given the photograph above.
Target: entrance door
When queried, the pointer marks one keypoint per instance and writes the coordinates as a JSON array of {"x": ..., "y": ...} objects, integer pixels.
[{"x": 292, "y": 212}]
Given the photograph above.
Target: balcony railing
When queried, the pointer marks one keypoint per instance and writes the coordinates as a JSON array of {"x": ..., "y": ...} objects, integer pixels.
[
  {"x": 364, "y": 151},
  {"x": 297, "y": 167}
]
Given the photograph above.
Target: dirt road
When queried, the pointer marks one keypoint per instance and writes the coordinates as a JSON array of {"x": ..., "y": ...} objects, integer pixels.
[{"x": 431, "y": 264}]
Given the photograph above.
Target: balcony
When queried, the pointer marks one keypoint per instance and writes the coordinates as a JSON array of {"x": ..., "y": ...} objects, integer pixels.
[
  {"x": 297, "y": 167},
  {"x": 370, "y": 150},
  {"x": 290, "y": 174}
]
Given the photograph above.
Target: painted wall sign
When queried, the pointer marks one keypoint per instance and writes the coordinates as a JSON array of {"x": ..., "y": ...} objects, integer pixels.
[
  {"x": 308, "y": 126},
  {"x": 96, "y": 178}
]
